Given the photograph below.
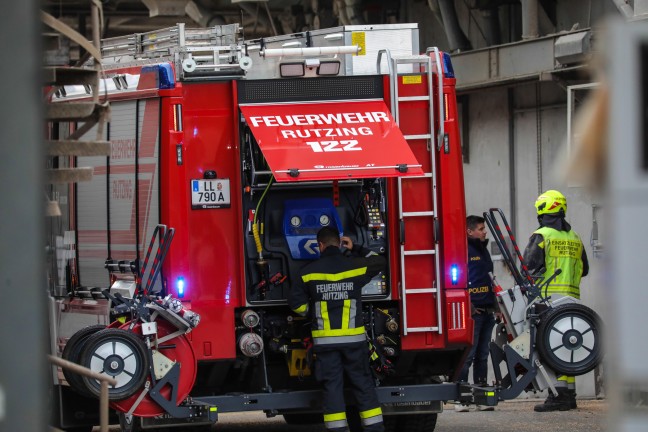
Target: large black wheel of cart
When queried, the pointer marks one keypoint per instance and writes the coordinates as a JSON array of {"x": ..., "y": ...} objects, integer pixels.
[
  {"x": 72, "y": 352},
  {"x": 569, "y": 339},
  {"x": 119, "y": 354},
  {"x": 410, "y": 423}
]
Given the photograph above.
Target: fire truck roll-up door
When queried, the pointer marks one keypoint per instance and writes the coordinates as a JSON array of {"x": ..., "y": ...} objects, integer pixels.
[
  {"x": 119, "y": 208},
  {"x": 330, "y": 140}
]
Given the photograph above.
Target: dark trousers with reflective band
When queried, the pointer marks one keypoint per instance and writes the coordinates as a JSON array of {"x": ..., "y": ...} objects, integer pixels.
[{"x": 352, "y": 361}]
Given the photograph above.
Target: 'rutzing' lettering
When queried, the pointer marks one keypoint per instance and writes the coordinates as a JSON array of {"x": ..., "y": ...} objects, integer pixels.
[{"x": 334, "y": 291}]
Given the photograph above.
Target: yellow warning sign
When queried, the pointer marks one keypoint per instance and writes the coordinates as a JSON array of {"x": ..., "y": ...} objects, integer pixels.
[
  {"x": 412, "y": 79},
  {"x": 358, "y": 38}
]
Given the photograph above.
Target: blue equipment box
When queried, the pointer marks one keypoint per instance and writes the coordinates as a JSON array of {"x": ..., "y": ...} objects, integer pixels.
[{"x": 303, "y": 218}]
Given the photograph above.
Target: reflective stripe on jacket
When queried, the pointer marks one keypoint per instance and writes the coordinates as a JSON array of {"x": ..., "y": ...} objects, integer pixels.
[
  {"x": 563, "y": 250},
  {"x": 331, "y": 289}
]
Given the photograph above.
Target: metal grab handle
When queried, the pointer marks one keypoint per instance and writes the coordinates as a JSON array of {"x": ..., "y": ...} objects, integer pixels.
[
  {"x": 159, "y": 258},
  {"x": 522, "y": 278},
  {"x": 161, "y": 229}
]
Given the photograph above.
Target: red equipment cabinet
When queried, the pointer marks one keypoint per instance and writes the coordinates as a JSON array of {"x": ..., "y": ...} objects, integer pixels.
[{"x": 246, "y": 165}]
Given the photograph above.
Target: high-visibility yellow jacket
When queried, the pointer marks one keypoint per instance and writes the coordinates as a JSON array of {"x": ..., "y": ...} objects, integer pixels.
[
  {"x": 331, "y": 289},
  {"x": 562, "y": 250}
]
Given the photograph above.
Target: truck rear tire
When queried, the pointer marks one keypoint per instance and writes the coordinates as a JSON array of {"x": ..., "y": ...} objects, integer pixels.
[
  {"x": 410, "y": 423},
  {"x": 303, "y": 418}
]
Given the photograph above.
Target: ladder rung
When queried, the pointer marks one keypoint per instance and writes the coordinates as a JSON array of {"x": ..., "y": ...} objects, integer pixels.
[
  {"x": 425, "y": 175},
  {"x": 421, "y": 329},
  {"x": 413, "y": 137},
  {"x": 419, "y": 213},
  {"x": 420, "y": 252},
  {"x": 412, "y": 59},
  {"x": 78, "y": 148},
  {"x": 413, "y": 98},
  {"x": 69, "y": 175},
  {"x": 420, "y": 290}
]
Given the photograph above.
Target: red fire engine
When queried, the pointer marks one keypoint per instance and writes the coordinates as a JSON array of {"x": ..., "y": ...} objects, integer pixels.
[{"x": 245, "y": 149}]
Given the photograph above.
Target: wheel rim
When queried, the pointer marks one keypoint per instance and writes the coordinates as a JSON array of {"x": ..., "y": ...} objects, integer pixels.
[
  {"x": 572, "y": 339},
  {"x": 120, "y": 355},
  {"x": 569, "y": 339},
  {"x": 116, "y": 359}
]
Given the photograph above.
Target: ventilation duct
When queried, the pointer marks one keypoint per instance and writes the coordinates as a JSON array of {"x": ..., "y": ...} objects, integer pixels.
[{"x": 456, "y": 37}]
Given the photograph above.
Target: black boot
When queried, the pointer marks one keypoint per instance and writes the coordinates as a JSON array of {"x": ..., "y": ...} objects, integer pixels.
[
  {"x": 555, "y": 403},
  {"x": 572, "y": 399}
]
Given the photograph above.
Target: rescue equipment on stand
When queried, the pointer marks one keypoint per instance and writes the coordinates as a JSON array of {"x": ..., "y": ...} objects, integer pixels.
[
  {"x": 147, "y": 353},
  {"x": 545, "y": 337}
]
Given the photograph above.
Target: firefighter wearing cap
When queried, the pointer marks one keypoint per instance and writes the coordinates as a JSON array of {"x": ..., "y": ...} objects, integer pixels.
[
  {"x": 330, "y": 289},
  {"x": 556, "y": 246}
]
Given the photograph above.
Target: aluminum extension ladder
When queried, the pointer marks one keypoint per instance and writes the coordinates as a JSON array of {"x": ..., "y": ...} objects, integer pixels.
[{"x": 423, "y": 65}]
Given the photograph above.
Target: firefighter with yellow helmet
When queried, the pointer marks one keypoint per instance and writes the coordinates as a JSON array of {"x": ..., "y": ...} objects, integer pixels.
[{"x": 554, "y": 245}]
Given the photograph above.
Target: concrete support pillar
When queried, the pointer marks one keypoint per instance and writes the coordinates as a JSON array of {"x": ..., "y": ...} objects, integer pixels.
[{"x": 24, "y": 372}]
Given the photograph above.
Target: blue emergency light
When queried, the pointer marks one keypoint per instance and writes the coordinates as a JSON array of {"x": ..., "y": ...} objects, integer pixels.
[
  {"x": 164, "y": 75},
  {"x": 448, "y": 70},
  {"x": 454, "y": 274},
  {"x": 180, "y": 286}
]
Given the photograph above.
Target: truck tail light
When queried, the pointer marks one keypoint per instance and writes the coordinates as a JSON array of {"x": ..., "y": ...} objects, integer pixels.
[
  {"x": 445, "y": 106},
  {"x": 177, "y": 118},
  {"x": 458, "y": 315}
]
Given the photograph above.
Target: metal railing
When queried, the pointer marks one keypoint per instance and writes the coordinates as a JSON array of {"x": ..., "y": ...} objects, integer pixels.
[{"x": 105, "y": 381}]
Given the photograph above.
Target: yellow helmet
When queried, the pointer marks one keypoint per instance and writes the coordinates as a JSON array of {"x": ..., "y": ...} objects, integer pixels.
[{"x": 551, "y": 202}]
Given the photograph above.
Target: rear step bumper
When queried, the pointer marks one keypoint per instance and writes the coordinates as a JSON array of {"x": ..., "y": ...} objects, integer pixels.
[{"x": 394, "y": 398}]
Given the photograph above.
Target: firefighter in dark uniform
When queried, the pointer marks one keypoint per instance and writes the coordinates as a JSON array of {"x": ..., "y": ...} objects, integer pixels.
[
  {"x": 330, "y": 289},
  {"x": 556, "y": 246}
]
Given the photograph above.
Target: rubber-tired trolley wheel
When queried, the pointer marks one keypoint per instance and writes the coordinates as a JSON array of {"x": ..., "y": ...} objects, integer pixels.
[
  {"x": 569, "y": 339},
  {"x": 119, "y": 354},
  {"x": 72, "y": 352}
]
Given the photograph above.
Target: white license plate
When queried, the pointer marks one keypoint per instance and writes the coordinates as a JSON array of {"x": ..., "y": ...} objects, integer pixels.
[{"x": 209, "y": 194}]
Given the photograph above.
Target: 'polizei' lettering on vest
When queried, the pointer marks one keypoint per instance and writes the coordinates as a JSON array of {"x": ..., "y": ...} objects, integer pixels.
[{"x": 478, "y": 290}]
